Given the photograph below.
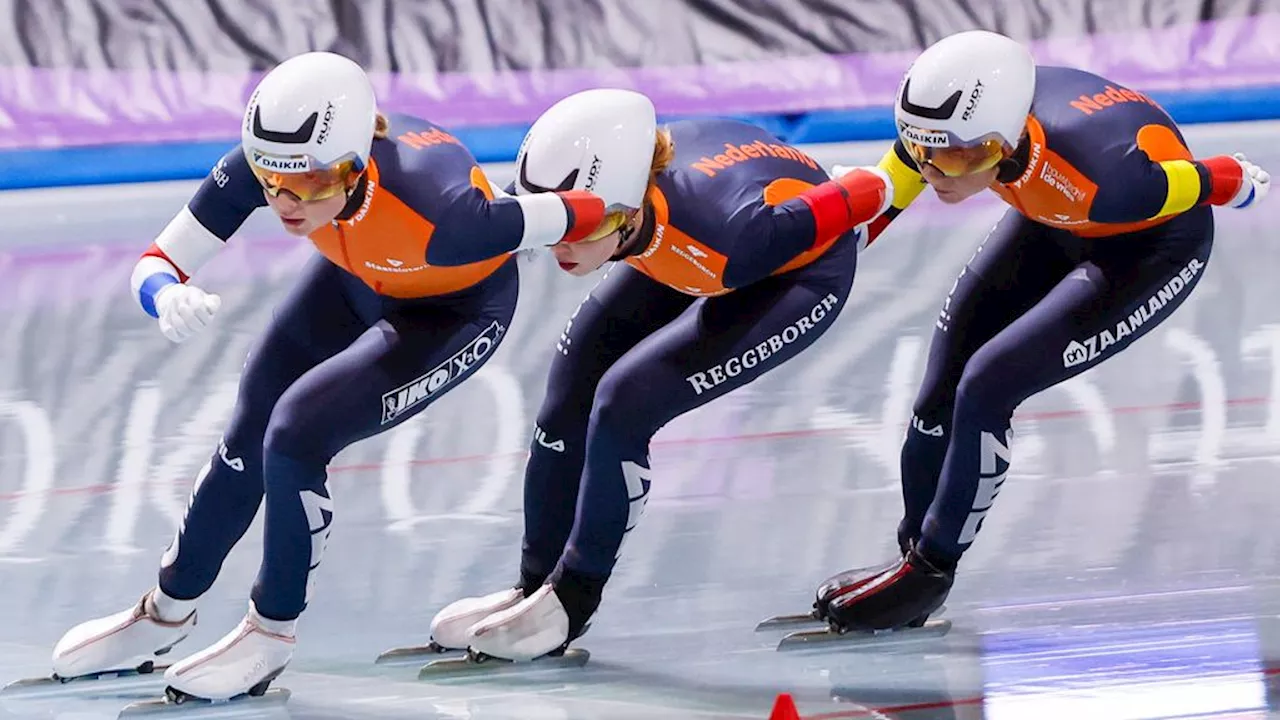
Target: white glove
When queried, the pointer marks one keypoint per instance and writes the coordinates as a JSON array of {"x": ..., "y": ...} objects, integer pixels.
[
  {"x": 185, "y": 310},
  {"x": 1256, "y": 183},
  {"x": 839, "y": 171}
]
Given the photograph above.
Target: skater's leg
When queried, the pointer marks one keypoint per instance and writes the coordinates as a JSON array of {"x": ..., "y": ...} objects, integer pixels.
[
  {"x": 389, "y": 374},
  {"x": 1122, "y": 290},
  {"x": 418, "y": 352},
  {"x": 623, "y": 309},
  {"x": 1017, "y": 264},
  {"x": 311, "y": 324},
  {"x": 712, "y": 348},
  {"x": 1118, "y": 295}
]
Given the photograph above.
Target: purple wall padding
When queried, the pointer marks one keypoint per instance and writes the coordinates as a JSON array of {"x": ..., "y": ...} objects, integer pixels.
[{"x": 44, "y": 107}]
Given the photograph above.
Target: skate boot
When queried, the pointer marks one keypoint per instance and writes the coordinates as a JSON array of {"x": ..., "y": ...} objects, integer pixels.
[
  {"x": 844, "y": 583},
  {"x": 904, "y": 595},
  {"x": 830, "y": 589},
  {"x": 542, "y": 624},
  {"x": 538, "y": 628},
  {"x": 243, "y": 662},
  {"x": 128, "y": 642},
  {"x": 450, "y": 627}
]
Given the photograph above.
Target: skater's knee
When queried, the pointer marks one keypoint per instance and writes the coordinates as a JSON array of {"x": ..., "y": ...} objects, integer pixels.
[
  {"x": 298, "y": 432},
  {"x": 569, "y": 394},
  {"x": 931, "y": 415},
  {"x": 991, "y": 382},
  {"x": 562, "y": 412},
  {"x": 620, "y": 402},
  {"x": 933, "y": 405}
]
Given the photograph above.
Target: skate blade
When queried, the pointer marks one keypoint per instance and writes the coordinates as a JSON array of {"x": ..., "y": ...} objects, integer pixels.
[
  {"x": 414, "y": 653},
  {"x": 472, "y": 664},
  {"x": 785, "y": 621},
  {"x": 103, "y": 682},
  {"x": 828, "y": 637},
  {"x": 241, "y": 704}
]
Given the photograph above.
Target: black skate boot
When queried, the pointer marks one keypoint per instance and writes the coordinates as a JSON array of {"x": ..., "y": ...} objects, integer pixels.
[
  {"x": 850, "y": 580},
  {"x": 842, "y": 584},
  {"x": 902, "y": 596}
]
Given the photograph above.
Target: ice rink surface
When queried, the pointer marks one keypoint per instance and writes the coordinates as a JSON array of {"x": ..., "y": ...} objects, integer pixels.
[{"x": 1130, "y": 568}]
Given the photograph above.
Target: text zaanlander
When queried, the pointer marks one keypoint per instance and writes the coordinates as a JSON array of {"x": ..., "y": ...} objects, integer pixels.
[
  {"x": 715, "y": 375},
  {"x": 1090, "y": 348}
]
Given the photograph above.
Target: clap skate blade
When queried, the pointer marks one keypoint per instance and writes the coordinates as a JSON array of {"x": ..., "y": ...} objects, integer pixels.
[
  {"x": 479, "y": 663},
  {"x": 783, "y": 621},
  {"x": 411, "y": 653},
  {"x": 829, "y": 637},
  {"x": 778, "y": 622},
  {"x": 106, "y": 681},
  {"x": 175, "y": 701}
]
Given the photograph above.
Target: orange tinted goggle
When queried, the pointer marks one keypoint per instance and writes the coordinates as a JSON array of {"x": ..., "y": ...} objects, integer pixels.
[
  {"x": 958, "y": 160},
  {"x": 612, "y": 221},
  {"x": 310, "y": 185}
]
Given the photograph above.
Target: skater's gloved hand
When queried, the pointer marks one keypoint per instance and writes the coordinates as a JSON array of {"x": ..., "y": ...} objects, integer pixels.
[
  {"x": 185, "y": 310},
  {"x": 1256, "y": 183},
  {"x": 838, "y": 171}
]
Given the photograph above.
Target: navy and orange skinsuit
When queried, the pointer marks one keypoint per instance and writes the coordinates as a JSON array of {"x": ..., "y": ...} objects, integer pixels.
[
  {"x": 738, "y": 275},
  {"x": 373, "y": 332},
  {"x": 1109, "y": 230}
]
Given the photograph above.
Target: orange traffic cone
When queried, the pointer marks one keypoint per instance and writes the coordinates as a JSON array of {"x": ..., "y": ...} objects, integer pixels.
[{"x": 784, "y": 708}]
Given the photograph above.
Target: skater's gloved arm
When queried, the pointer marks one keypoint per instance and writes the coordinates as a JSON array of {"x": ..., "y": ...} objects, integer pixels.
[
  {"x": 475, "y": 221},
  {"x": 908, "y": 183},
  {"x": 477, "y": 227},
  {"x": 779, "y": 232},
  {"x": 1142, "y": 188},
  {"x": 199, "y": 231}
]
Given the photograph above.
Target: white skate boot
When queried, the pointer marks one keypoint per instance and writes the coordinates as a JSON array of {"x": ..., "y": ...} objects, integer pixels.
[
  {"x": 126, "y": 643},
  {"x": 450, "y": 626},
  {"x": 527, "y": 630},
  {"x": 243, "y": 662},
  {"x": 536, "y": 628}
]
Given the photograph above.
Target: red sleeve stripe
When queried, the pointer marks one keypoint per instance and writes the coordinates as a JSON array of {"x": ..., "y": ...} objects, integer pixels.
[
  {"x": 155, "y": 251},
  {"x": 841, "y": 205},
  {"x": 1226, "y": 178},
  {"x": 829, "y": 204}
]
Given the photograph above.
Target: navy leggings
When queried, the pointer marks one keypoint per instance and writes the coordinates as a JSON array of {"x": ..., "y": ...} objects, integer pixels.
[
  {"x": 1034, "y": 307},
  {"x": 337, "y": 364},
  {"x": 635, "y": 355}
]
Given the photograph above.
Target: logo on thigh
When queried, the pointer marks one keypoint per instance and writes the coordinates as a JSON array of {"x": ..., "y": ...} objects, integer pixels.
[
  {"x": 757, "y": 355},
  {"x": 1091, "y": 348},
  {"x": 434, "y": 381}
]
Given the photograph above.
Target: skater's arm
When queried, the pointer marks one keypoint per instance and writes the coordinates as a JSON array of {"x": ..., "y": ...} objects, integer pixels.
[
  {"x": 908, "y": 183},
  {"x": 472, "y": 221},
  {"x": 779, "y": 230},
  {"x": 1140, "y": 187},
  {"x": 199, "y": 231}
]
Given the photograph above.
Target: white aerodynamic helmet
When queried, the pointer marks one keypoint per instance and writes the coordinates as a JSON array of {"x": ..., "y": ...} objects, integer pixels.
[
  {"x": 309, "y": 124},
  {"x": 596, "y": 140},
  {"x": 963, "y": 103}
]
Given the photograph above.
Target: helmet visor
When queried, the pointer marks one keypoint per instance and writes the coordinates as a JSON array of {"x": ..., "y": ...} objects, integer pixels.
[
  {"x": 951, "y": 156},
  {"x": 612, "y": 221},
  {"x": 301, "y": 176}
]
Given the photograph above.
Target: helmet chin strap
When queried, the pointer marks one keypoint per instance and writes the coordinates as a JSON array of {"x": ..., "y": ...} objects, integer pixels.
[
  {"x": 355, "y": 196},
  {"x": 1012, "y": 167},
  {"x": 635, "y": 241}
]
